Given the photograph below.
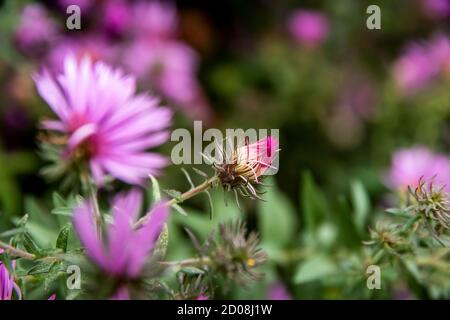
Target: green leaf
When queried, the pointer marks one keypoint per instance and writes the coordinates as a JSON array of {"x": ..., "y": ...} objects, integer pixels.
[
  {"x": 61, "y": 241},
  {"x": 12, "y": 232},
  {"x": 52, "y": 275},
  {"x": 174, "y": 194},
  {"x": 192, "y": 271},
  {"x": 39, "y": 268},
  {"x": 211, "y": 205},
  {"x": 188, "y": 178},
  {"x": 314, "y": 269},
  {"x": 276, "y": 218},
  {"x": 348, "y": 233},
  {"x": 156, "y": 192},
  {"x": 200, "y": 173},
  {"x": 162, "y": 243},
  {"x": 361, "y": 205},
  {"x": 313, "y": 203},
  {"x": 30, "y": 245}
]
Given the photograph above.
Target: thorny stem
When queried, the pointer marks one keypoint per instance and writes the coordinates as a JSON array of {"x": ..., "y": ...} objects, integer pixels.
[{"x": 187, "y": 195}]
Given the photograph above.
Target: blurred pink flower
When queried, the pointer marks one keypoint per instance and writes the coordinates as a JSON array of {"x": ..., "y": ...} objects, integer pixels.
[
  {"x": 170, "y": 67},
  {"x": 122, "y": 293},
  {"x": 35, "y": 30},
  {"x": 94, "y": 46},
  {"x": 105, "y": 120},
  {"x": 116, "y": 16},
  {"x": 154, "y": 20},
  {"x": 278, "y": 292},
  {"x": 85, "y": 5},
  {"x": 414, "y": 69},
  {"x": 126, "y": 249},
  {"x": 409, "y": 165},
  {"x": 7, "y": 283},
  {"x": 436, "y": 9},
  {"x": 440, "y": 51},
  {"x": 309, "y": 27}
]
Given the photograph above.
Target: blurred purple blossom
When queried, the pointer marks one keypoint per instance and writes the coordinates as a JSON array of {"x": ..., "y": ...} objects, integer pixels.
[
  {"x": 116, "y": 16},
  {"x": 414, "y": 69},
  {"x": 409, "y": 165},
  {"x": 126, "y": 250},
  {"x": 94, "y": 46},
  {"x": 309, "y": 27},
  {"x": 436, "y": 9},
  {"x": 35, "y": 30},
  {"x": 278, "y": 291},
  {"x": 7, "y": 283},
  {"x": 421, "y": 63},
  {"x": 154, "y": 20},
  {"x": 105, "y": 120},
  {"x": 85, "y": 5}
]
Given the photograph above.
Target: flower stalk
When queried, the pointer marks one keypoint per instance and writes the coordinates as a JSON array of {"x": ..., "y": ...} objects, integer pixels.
[{"x": 183, "y": 197}]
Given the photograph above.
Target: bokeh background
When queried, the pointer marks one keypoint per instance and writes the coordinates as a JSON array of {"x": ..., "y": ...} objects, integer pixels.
[{"x": 344, "y": 97}]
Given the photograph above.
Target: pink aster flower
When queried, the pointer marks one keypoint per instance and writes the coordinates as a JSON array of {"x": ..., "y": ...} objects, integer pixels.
[
  {"x": 308, "y": 27},
  {"x": 414, "y": 69},
  {"x": 85, "y": 5},
  {"x": 7, "y": 283},
  {"x": 35, "y": 30},
  {"x": 125, "y": 250},
  {"x": 439, "y": 48},
  {"x": 436, "y": 9},
  {"x": 171, "y": 68},
  {"x": 243, "y": 167},
  {"x": 154, "y": 20},
  {"x": 106, "y": 123},
  {"x": 410, "y": 165},
  {"x": 116, "y": 16},
  {"x": 95, "y": 46}
]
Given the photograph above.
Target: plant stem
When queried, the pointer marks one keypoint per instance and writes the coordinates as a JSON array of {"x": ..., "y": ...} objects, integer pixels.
[
  {"x": 187, "y": 195},
  {"x": 17, "y": 252},
  {"x": 91, "y": 192}
]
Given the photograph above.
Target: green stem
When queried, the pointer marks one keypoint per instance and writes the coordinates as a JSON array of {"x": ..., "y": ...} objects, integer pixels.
[
  {"x": 91, "y": 191},
  {"x": 187, "y": 195}
]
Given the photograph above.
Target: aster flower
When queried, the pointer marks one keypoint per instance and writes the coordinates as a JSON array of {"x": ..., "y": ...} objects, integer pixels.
[
  {"x": 236, "y": 254},
  {"x": 154, "y": 20},
  {"x": 433, "y": 202},
  {"x": 278, "y": 291},
  {"x": 436, "y": 9},
  {"x": 415, "y": 69},
  {"x": 125, "y": 249},
  {"x": 170, "y": 67},
  {"x": 308, "y": 27},
  {"x": 7, "y": 283},
  {"x": 116, "y": 16},
  {"x": 107, "y": 126},
  {"x": 410, "y": 165},
  {"x": 243, "y": 169},
  {"x": 35, "y": 31},
  {"x": 440, "y": 51}
]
